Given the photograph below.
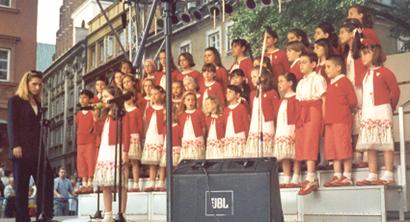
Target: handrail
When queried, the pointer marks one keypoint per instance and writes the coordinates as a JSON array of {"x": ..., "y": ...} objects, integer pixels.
[{"x": 403, "y": 165}]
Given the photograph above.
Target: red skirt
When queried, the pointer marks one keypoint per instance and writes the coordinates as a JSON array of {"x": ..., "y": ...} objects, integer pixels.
[
  {"x": 338, "y": 141},
  {"x": 86, "y": 160},
  {"x": 308, "y": 132}
]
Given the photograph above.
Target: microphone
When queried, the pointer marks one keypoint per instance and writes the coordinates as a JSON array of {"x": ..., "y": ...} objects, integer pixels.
[{"x": 121, "y": 99}]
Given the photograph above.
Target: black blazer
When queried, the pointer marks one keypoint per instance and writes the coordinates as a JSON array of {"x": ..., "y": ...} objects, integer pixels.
[{"x": 23, "y": 127}]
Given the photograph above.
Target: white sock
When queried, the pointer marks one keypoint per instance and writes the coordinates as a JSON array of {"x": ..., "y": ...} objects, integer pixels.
[
  {"x": 286, "y": 179},
  {"x": 338, "y": 175},
  {"x": 295, "y": 179},
  {"x": 387, "y": 175},
  {"x": 347, "y": 175},
  {"x": 311, "y": 177},
  {"x": 372, "y": 177}
]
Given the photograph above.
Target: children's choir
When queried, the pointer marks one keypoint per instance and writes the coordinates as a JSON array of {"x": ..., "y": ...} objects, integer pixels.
[{"x": 335, "y": 89}]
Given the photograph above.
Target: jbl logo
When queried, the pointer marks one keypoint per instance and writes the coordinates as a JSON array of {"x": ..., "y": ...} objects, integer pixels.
[{"x": 219, "y": 203}]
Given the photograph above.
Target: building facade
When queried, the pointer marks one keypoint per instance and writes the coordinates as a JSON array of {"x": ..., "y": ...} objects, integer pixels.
[
  {"x": 63, "y": 81},
  {"x": 18, "y": 22}
]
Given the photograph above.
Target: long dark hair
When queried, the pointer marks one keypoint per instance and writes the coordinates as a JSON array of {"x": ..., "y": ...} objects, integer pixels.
[
  {"x": 301, "y": 34},
  {"x": 290, "y": 77},
  {"x": 243, "y": 43},
  {"x": 353, "y": 25},
  {"x": 328, "y": 28},
  {"x": 115, "y": 92},
  {"x": 218, "y": 60},
  {"x": 326, "y": 45},
  {"x": 173, "y": 66},
  {"x": 272, "y": 33},
  {"x": 267, "y": 81},
  {"x": 367, "y": 20},
  {"x": 378, "y": 56}
]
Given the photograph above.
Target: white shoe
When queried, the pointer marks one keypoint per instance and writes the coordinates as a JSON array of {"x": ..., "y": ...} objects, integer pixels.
[
  {"x": 150, "y": 186},
  {"x": 107, "y": 217}
]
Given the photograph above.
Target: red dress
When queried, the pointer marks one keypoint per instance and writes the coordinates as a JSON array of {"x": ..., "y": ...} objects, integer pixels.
[
  {"x": 279, "y": 61},
  {"x": 86, "y": 147},
  {"x": 216, "y": 132},
  {"x": 213, "y": 89}
]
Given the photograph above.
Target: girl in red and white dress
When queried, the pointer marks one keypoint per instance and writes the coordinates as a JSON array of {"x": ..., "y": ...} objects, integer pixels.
[
  {"x": 129, "y": 83},
  {"x": 177, "y": 92},
  {"x": 340, "y": 101},
  {"x": 381, "y": 94},
  {"x": 237, "y": 78},
  {"x": 262, "y": 113},
  {"x": 236, "y": 120},
  {"x": 210, "y": 86},
  {"x": 360, "y": 13},
  {"x": 176, "y": 150},
  {"x": 192, "y": 124},
  {"x": 310, "y": 93},
  {"x": 277, "y": 57},
  {"x": 191, "y": 85},
  {"x": 186, "y": 64},
  {"x": 105, "y": 167},
  {"x": 215, "y": 127},
  {"x": 160, "y": 74},
  {"x": 145, "y": 101},
  {"x": 212, "y": 56},
  {"x": 117, "y": 79},
  {"x": 135, "y": 150},
  {"x": 323, "y": 50},
  {"x": 154, "y": 136},
  {"x": 285, "y": 131},
  {"x": 240, "y": 49},
  {"x": 350, "y": 38},
  {"x": 293, "y": 52}
]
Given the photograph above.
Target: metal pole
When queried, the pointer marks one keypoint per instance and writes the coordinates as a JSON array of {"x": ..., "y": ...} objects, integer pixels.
[
  {"x": 403, "y": 167},
  {"x": 167, "y": 34},
  {"x": 141, "y": 47}
]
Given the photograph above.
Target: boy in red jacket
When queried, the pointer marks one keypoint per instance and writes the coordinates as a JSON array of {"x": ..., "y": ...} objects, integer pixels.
[
  {"x": 86, "y": 138},
  {"x": 340, "y": 102}
]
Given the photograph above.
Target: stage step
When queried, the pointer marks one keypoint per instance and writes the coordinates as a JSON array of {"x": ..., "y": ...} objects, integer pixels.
[{"x": 369, "y": 203}]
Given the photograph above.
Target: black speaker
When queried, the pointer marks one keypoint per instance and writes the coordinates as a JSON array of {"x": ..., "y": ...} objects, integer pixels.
[{"x": 229, "y": 190}]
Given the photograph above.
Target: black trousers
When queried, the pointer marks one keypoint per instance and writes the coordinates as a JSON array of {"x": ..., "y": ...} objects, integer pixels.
[{"x": 22, "y": 170}]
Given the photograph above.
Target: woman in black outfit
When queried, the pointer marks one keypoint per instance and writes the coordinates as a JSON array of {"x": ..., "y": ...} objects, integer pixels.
[{"x": 24, "y": 116}]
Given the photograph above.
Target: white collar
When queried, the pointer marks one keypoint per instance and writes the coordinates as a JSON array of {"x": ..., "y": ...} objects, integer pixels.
[
  {"x": 233, "y": 106},
  {"x": 294, "y": 62},
  {"x": 336, "y": 78}
]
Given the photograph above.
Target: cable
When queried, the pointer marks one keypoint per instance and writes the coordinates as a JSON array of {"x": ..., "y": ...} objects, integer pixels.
[{"x": 209, "y": 191}]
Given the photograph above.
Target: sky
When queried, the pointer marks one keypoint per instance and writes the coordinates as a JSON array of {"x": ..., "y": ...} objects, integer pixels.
[{"x": 48, "y": 20}]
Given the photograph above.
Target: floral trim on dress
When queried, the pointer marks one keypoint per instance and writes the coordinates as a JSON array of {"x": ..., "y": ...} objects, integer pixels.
[
  {"x": 376, "y": 135},
  {"x": 193, "y": 149},
  {"x": 284, "y": 147},
  {"x": 214, "y": 149},
  {"x": 252, "y": 144}
]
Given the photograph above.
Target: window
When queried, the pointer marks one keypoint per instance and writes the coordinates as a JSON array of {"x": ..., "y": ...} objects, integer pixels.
[
  {"x": 5, "y": 3},
  {"x": 110, "y": 46},
  {"x": 228, "y": 37},
  {"x": 121, "y": 33},
  {"x": 101, "y": 51},
  {"x": 4, "y": 64},
  {"x": 92, "y": 56},
  {"x": 185, "y": 47},
  {"x": 214, "y": 38}
]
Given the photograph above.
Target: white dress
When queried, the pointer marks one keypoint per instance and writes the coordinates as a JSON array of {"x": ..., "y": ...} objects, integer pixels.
[
  {"x": 151, "y": 154},
  {"x": 192, "y": 147},
  {"x": 105, "y": 167},
  {"x": 285, "y": 133},
  {"x": 376, "y": 128},
  {"x": 234, "y": 143},
  {"x": 350, "y": 74},
  {"x": 135, "y": 151},
  {"x": 268, "y": 128},
  {"x": 214, "y": 147}
]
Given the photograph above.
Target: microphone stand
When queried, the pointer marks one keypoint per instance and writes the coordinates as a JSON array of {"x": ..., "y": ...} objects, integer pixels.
[
  {"x": 42, "y": 162},
  {"x": 118, "y": 148},
  {"x": 98, "y": 214},
  {"x": 259, "y": 93}
]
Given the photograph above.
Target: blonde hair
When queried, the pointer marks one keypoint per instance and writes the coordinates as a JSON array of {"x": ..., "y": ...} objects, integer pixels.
[
  {"x": 219, "y": 107},
  {"x": 182, "y": 107},
  {"x": 22, "y": 89}
]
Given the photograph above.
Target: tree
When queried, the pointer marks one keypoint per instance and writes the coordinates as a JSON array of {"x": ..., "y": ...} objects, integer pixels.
[{"x": 305, "y": 14}]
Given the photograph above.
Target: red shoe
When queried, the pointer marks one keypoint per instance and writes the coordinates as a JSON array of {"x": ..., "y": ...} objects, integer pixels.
[
  {"x": 308, "y": 188},
  {"x": 331, "y": 181},
  {"x": 364, "y": 183},
  {"x": 283, "y": 185},
  {"x": 343, "y": 181},
  {"x": 383, "y": 182},
  {"x": 293, "y": 185}
]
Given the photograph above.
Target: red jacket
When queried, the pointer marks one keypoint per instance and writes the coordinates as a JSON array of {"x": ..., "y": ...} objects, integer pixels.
[
  {"x": 143, "y": 103},
  {"x": 199, "y": 79},
  {"x": 219, "y": 124},
  {"x": 214, "y": 90},
  {"x": 135, "y": 117},
  {"x": 246, "y": 65},
  {"x": 160, "y": 118},
  {"x": 295, "y": 69},
  {"x": 270, "y": 101},
  {"x": 386, "y": 89},
  {"x": 291, "y": 109},
  {"x": 222, "y": 77},
  {"x": 111, "y": 133},
  {"x": 85, "y": 128},
  {"x": 198, "y": 122},
  {"x": 359, "y": 71},
  {"x": 240, "y": 118},
  {"x": 160, "y": 74},
  {"x": 176, "y": 135},
  {"x": 279, "y": 61},
  {"x": 340, "y": 100}
]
